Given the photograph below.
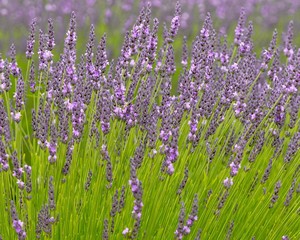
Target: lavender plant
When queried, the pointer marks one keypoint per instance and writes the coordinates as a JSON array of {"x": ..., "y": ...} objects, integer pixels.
[{"x": 92, "y": 147}]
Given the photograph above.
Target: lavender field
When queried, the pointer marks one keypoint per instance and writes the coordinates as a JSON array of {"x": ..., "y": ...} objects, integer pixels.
[{"x": 150, "y": 120}]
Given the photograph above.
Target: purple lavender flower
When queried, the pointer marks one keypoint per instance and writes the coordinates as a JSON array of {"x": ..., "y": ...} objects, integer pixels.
[
  {"x": 31, "y": 40},
  {"x": 185, "y": 229},
  {"x": 239, "y": 30},
  {"x": 21, "y": 184},
  {"x": 51, "y": 40},
  {"x": 13, "y": 66},
  {"x": 175, "y": 23},
  {"x": 228, "y": 182},
  {"x": 18, "y": 226},
  {"x": 234, "y": 168},
  {"x": 288, "y": 50},
  {"x": 125, "y": 231}
]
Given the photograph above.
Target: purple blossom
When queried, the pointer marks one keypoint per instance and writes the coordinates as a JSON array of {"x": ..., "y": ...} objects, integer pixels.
[
  {"x": 175, "y": 23},
  {"x": 18, "y": 172},
  {"x": 2, "y": 65},
  {"x": 20, "y": 184},
  {"x": 165, "y": 135},
  {"x": 125, "y": 231},
  {"x": 186, "y": 230},
  {"x": 234, "y": 168},
  {"x": 134, "y": 185},
  {"x": 16, "y": 116},
  {"x": 228, "y": 182},
  {"x": 172, "y": 154},
  {"x": 31, "y": 40},
  {"x": 15, "y": 70},
  {"x": 133, "y": 102},
  {"x": 18, "y": 226},
  {"x": 239, "y": 30},
  {"x": 170, "y": 169},
  {"x": 120, "y": 93},
  {"x": 204, "y": 33}
]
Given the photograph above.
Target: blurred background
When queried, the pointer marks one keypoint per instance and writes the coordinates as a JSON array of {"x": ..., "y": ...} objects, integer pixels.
[{"x": 115, "y": 17}]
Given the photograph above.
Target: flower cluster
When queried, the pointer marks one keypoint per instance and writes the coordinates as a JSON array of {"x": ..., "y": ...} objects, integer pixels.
[{"x": 218, "y": 122}]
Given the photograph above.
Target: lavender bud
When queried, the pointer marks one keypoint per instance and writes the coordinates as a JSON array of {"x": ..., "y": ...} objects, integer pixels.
[
  {"x": 288, "y": 49},
  {"x": 184, "y": 60},
  {"x": 69, "y": 154},
  {"x": 115, "y": 204},
  {"x": 45, "y": 55},
  {"x": 88, "y": 181},
  {"x": 275, "y": 194},
  {"x": 32, "y": 83},
  {"x": 125, "y": 232},
  {"x": 101, "y": 56},
  {"x": 294, "y": 110},
  {"x": 13, "y": 211},
  {"x": 239, "y": 30},
  {"x": 258, "y": 147},
  {"x": 253, "y": 184},
  {"x": 298, "y": 188},
  {"x": 290, "y": 193},
  {"x": 234, "y": 168},
  {"x": 17, "y": 224},
  {"x": 38, "y": 229},
  {"x": 31, "y": 40},
  {"x": 293, "y": 147},
  {"x": 209, "y": 193},
  {"x": 105, "y": 230},
  {"x": 109, "y": 174},
  {"x": 279, "y": 117},
  {"x": 229, "y": 233},
  {"x": 267, "y": 172},
  {"x": 5, "y": 82},
  {"x": 228, "y": 182},
  {"x": 180, "y": 225},
  {"x": 51, "y": 40},
  {"x": 21, "y": 184},
  {"x": 18, "y": 171},
  {"x": 45, "y": 222},
  {"x": 183, "y": 182},
  {"x": 122, "y": 200},
  {"x": 175, "y": 23},
  {"x": 3, "y": 157},
  {"x": 4, "y": 123},
  {"x": 222, "y": 201},
  {"x": 52, "y": 205},
  {"x": 19, "y": 94},
  {"x": 194, "y": 214},
  {"x": 135, "y": 229},
  {"x": 34, "y": 122},
  {"x": 14, "y": 69},
  {"x": 28, "y": 178}
]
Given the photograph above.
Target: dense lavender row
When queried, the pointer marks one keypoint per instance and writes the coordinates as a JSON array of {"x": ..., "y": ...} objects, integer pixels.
[{"x": 95, "y": 147}]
